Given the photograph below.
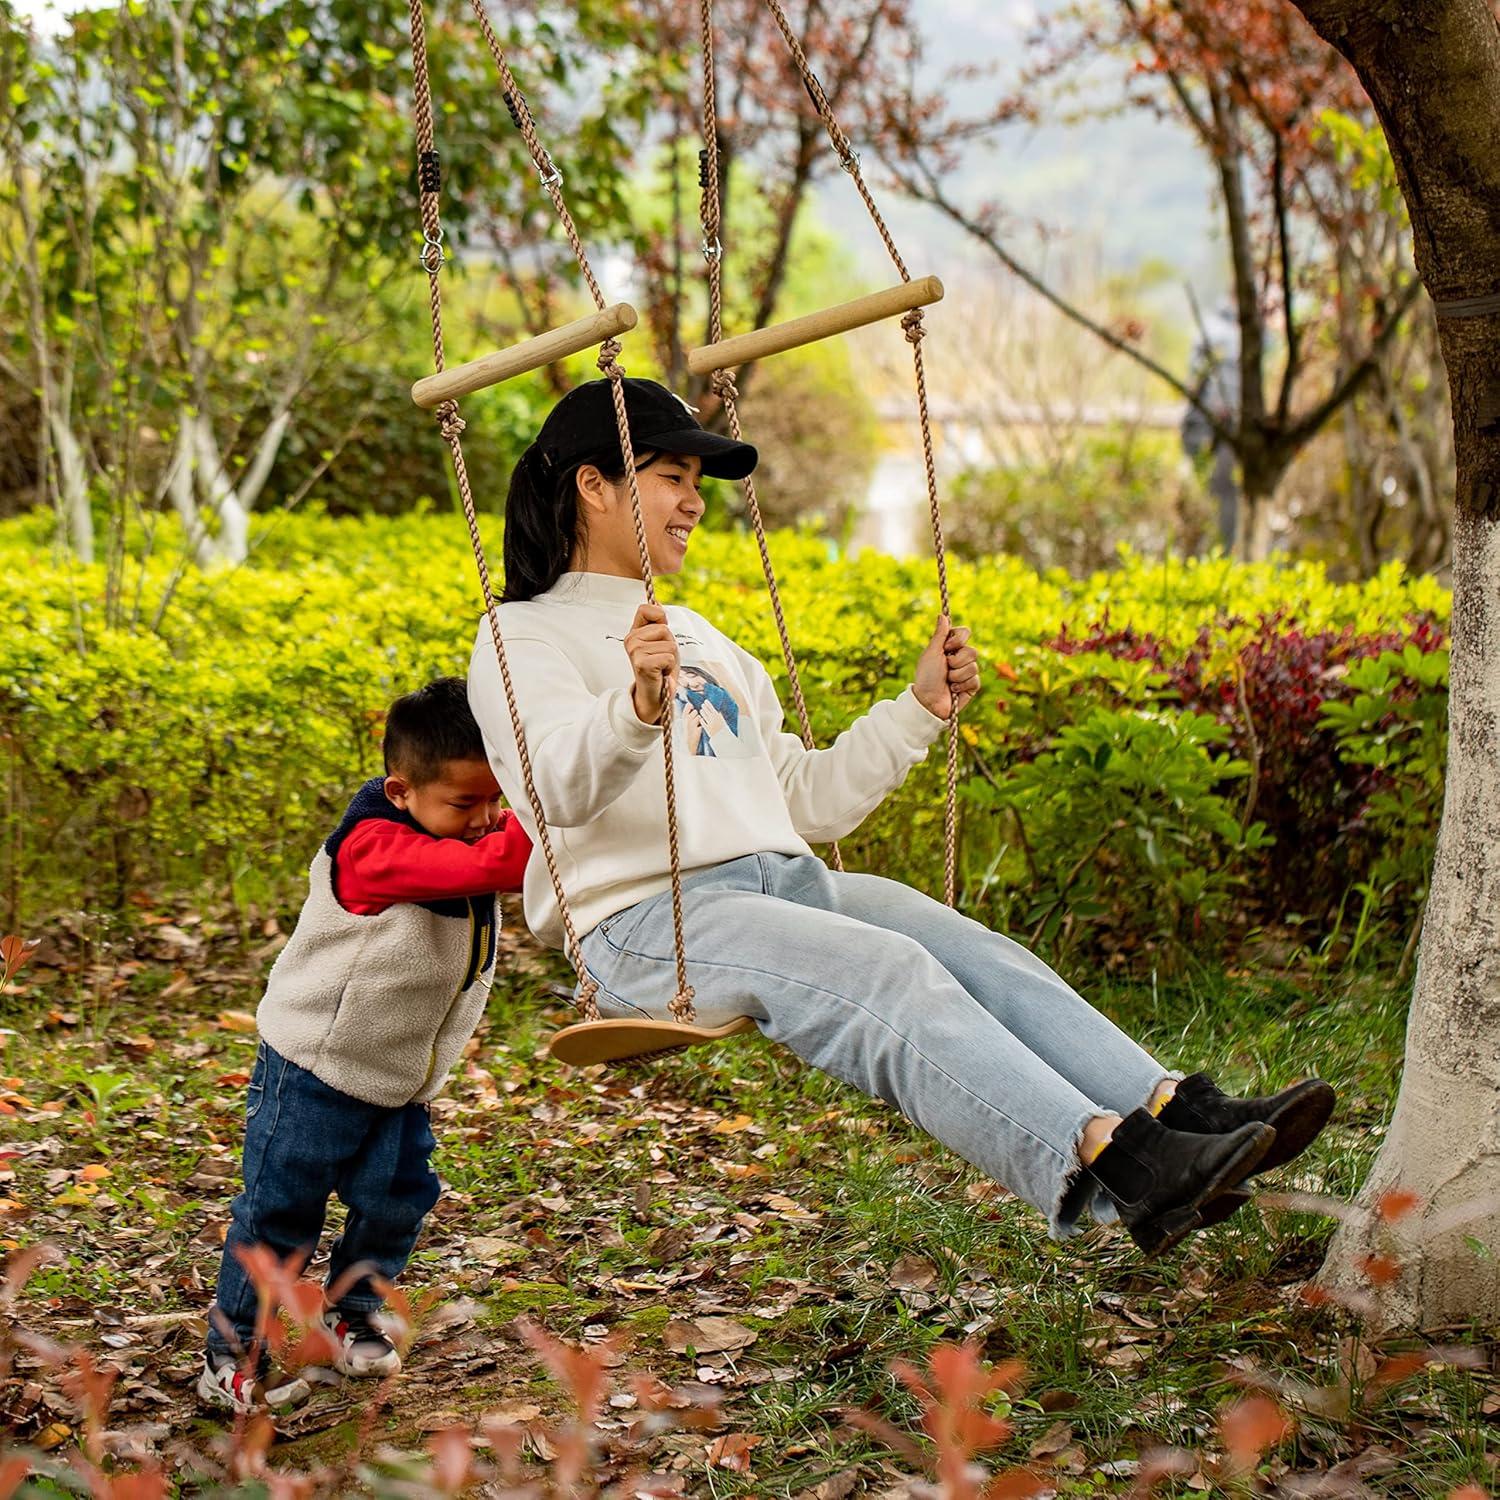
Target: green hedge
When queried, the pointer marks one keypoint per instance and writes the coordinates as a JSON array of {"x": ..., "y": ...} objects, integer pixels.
[{"x": 1159, "y": 750}]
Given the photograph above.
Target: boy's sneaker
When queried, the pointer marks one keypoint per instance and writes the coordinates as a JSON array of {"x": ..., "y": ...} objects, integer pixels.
[
  {"x": 224, "y": 1383},
  {"x": 360, "y": 1348}
]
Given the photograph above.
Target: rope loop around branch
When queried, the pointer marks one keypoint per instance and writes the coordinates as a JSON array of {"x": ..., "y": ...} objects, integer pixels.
[
  {"x": 913, "y": 326},
  {"x": 450, "y": 424}
]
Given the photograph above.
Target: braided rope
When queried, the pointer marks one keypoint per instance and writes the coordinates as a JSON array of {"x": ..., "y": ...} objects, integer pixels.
[
  {"x": 451, "y": 425},
  {"x": 722, "y": 382},
  {"x": 682, "y": 1001},
  {"x": 551, "y": 180},
  {"x": 915, "y": 330}
]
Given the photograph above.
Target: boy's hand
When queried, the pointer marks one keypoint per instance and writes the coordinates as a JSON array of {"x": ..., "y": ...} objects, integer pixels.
[
  {"x": 652, "y": 649},
  {"x": 947, "y": 675}
]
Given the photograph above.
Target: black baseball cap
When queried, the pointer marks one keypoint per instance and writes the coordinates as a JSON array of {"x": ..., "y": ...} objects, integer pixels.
[{"x": 582, "y": 426}]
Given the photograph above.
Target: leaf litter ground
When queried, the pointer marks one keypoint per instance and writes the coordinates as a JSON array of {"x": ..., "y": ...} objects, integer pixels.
[{"x": 762, "y": 1239}]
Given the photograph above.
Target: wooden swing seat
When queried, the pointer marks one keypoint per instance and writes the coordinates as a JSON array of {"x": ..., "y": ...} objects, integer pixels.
[{"x": 587, "y": 1042}]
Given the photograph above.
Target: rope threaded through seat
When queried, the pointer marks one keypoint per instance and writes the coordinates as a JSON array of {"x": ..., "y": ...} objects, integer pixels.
[{"x": 585, "y": 998}]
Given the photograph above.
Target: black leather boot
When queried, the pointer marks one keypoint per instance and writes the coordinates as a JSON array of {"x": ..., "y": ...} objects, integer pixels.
[
  {"x": 1166, "y": 1183},
  {"x": 1296, "y": 1114}
]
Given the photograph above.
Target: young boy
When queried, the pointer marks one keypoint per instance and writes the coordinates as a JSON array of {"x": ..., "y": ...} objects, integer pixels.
[{"x": 367, "y": 1008}]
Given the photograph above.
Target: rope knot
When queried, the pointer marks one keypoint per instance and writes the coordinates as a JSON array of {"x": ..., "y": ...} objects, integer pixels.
[
  {"x": 721, "y": 383},
  {"x": 609, "y": 354},
  {"x": 450, "y": 424},
  {"x": 682, "y": 1006},
  {"x": 912, "y": 325}
]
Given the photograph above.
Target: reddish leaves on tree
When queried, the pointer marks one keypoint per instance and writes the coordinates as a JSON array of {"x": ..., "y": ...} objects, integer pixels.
[
  {"x": 953, "y": 1393},
  {"x": 452, "y": 1460},
  {"x": 12, "y": 1472}
]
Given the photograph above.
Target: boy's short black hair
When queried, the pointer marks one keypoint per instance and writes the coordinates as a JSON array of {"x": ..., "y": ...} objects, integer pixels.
[{"x": 426, "y": 729}]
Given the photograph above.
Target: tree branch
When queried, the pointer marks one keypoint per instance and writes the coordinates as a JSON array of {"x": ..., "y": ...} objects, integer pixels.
[
  {"x": 1196, "y": 117},
  {"x": 1246, "y": 287},
  {"x": 930, "y": 192},
  {"x": 1284, "y": 244},
  {"x": 1349, "y": 384}
]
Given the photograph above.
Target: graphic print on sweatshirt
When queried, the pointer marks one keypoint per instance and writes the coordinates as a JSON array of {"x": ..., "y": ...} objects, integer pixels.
[{"x": 707, "y": 715}]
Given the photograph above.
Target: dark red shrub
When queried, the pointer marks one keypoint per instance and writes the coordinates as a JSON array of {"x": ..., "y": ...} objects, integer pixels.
[{"x": 1271, "y": 700}]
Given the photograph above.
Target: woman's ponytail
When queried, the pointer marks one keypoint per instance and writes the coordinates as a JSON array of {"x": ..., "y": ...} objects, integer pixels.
[
  {"x": 541, "y": 519},
  {"x": 541, "y": 527}
]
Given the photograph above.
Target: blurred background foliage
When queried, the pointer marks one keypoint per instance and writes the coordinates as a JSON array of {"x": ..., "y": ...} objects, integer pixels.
[{"x": 233, "y": 537}]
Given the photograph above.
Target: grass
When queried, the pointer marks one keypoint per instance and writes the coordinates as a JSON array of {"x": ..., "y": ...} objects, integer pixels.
[{"x": 733, "y": 1182}]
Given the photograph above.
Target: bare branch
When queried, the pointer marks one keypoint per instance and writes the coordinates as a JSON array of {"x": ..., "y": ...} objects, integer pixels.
[
  {"x": 1284, "y": 250},
  {"x": 1196, "y": 117},
  {"x": 1349, "y": 384},
  {"x": 929, "y": 191},
  {"x": 1242, "y": 258}
]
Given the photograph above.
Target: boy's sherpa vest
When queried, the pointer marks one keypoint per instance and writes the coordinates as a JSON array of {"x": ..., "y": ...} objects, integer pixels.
[{"x": 379, "y": 1007}]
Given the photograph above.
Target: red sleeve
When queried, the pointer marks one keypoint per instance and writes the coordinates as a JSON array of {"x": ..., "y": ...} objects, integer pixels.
[{"x": 381, "y": 862}]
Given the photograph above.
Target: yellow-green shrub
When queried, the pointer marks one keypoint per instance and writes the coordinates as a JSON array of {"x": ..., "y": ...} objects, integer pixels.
[{"x": 219, "y": 748}]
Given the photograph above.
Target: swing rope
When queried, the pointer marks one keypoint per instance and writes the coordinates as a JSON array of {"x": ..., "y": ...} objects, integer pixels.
[
  {"x": 451, "y": 425},
  {"x": 915, "y": 331},
  {"x": 722, "y": 381}
]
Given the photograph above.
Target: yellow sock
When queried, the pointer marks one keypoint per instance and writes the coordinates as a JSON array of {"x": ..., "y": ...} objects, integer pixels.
[{"x": 1165, "y": 1091}]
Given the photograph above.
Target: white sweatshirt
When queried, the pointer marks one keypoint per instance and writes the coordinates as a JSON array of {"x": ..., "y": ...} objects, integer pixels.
[{"x": 744, "y": 785}]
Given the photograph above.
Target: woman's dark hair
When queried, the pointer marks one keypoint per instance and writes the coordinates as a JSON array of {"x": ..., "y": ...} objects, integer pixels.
[{"x": 542, "y": 523}]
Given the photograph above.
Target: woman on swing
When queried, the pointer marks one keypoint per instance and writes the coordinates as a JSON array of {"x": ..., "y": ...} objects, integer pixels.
[{"x": 964, "y": 1031}]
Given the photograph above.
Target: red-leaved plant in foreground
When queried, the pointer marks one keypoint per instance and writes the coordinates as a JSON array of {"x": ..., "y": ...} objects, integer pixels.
[{"x": 579, "y": 1460}]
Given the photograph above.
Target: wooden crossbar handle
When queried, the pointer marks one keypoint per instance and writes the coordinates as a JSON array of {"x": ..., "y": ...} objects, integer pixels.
[
  {"x": 759, "y": 343},
  {"x": 519, "y": 359}
]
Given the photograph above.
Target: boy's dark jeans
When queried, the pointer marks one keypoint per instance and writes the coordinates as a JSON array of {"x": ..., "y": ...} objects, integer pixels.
[{"x": 303, "y": 1142}]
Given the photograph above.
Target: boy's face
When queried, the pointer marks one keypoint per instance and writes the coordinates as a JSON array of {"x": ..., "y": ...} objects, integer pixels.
[{"x": 461, "y": 802}]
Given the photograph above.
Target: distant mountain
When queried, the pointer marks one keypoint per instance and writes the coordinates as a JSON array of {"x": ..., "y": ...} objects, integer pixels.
[{"x": 1120, "y": 191}]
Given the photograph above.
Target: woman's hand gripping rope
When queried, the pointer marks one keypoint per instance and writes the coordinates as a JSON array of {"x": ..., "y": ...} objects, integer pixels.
[
  {"x": 947, "y": 675},
  {"x": 652, "y": 649}
]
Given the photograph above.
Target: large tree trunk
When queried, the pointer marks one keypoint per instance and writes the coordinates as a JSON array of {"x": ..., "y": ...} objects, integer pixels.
[{"x": 1433, "y": 72}]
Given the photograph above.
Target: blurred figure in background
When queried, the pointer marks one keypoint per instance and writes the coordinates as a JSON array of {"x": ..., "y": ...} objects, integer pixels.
[{"x": 1216, "y": 384}]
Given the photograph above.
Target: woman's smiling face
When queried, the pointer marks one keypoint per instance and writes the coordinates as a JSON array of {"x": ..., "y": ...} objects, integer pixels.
[{"x": 671, "y": 506}]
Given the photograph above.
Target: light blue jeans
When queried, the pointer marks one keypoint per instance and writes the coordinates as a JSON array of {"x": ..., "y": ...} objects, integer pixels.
[{"x": 961, "y": 1029}]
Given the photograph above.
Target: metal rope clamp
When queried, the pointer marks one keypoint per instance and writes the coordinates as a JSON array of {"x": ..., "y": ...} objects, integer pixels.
[
  {"x": 712, "y": 249},
  {"x": 849, "y": 161},
  {"x": 551, "y": 176},
  {"x": 432, "y": 257}
]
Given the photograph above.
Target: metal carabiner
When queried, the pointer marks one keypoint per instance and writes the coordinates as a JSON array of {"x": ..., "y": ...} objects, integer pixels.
[{"x": 432, "y": 257}]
